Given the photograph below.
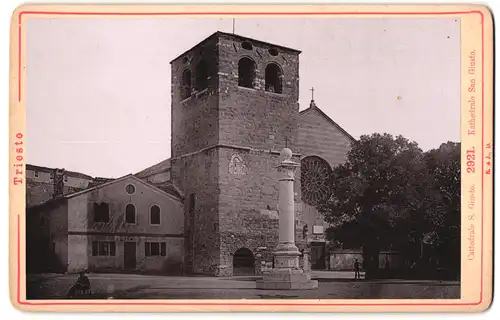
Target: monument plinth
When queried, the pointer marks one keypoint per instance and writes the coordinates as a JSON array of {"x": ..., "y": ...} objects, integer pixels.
[{"x": 286, "y": 274}]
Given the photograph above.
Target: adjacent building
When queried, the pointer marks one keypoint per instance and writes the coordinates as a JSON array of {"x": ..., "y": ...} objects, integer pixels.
[{"x": 122, "y": 225}]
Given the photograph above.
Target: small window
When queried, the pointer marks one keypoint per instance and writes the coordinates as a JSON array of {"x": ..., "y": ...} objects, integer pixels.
[
  {"x": 185, "y": 60},
  {"x": 43, "y": 222},
  {"x": 155, "y": 214},
  {"x": 65, "y": 178},
  {"x": 53, "y": 247},
  {"x": 51, "y": 176},
  {"x": 202, "y": 75},
  {"x": 130, "y": 189},
  {"x": 36, "y": 174},
  {"x": 101, "y": 212},
  {"x": 103, "y": 248},
  {"x": 273, "y": 52},
  {"x": 246, "y": 73},
  {"x": 246, "y": 45},
  {"x": 192, "y": 202},
  {"x": 130, "y": 213},
  {"x": 155, "y": 249},
  {"x": 273, "y": 78},
  {"x": 186, "y": 84}
]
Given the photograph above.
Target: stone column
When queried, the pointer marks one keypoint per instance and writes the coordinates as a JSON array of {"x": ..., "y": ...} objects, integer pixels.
[
  {"x": 286, "y": 273},
  {"x": 287, "y": 254}
]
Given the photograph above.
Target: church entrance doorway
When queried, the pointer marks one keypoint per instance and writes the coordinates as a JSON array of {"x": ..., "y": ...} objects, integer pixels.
[
  {"x": 243, "y": 263},
  {"x": 318, "y": 256}
]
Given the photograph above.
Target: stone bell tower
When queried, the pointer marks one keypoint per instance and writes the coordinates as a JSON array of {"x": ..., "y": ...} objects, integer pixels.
[{"x": 234, "y": 107}]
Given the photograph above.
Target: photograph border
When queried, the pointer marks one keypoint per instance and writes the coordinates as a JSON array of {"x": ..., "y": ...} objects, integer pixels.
[{"x": 21, "y": 12}]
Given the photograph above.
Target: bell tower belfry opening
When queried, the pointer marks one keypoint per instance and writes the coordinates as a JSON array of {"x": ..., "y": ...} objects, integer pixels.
[{"x": 234, "y": 107}]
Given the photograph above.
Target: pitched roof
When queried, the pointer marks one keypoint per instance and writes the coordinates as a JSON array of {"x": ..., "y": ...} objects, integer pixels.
[
  {"x": 169, "y": 187},
  {"x": 160, "y": 166},
  {"x": 129, "y": 176},
  {"x": 98, "y": 180},
  {"x": 314, "y": 107}
]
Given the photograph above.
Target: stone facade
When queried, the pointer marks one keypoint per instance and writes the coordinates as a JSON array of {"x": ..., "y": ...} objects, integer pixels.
[
  {"x": 226, "y": 141},
  {"x": 321, "y": 137}
]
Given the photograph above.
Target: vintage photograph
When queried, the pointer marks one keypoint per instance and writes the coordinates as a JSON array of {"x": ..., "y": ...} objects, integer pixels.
[{"x": 243, "y": 157}]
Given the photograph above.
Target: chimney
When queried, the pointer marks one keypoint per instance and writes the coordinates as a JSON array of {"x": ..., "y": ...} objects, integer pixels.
[{"x": 58, "y": 183}]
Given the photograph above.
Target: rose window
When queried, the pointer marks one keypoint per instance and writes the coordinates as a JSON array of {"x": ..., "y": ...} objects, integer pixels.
[{"x": 314, "y": 178}]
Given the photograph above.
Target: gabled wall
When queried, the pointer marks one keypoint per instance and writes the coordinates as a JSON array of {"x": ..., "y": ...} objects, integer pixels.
[
  {"x": 83, "y": 229},
  {"x": 318, "y": 136}
]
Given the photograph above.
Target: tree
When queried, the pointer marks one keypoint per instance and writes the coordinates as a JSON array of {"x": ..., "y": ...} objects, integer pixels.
[
  {"x": 443, "y": 214},
  {"x": 390, "y": 194},
  {"x": 376, "y": 196}
]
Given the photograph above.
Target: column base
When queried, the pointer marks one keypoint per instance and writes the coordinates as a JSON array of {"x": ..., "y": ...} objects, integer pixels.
[{"x": 287, "y": 279}]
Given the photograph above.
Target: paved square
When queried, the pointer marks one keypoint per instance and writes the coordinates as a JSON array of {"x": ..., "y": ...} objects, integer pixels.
[{"x": 332, "y": 285}]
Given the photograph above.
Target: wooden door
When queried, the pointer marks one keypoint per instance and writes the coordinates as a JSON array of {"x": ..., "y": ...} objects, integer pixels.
[
  {"x": 129, "y": 255},
  {"x": 318, "y": 256}
]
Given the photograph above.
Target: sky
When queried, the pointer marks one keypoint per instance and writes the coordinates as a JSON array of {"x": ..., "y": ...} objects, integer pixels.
[{"x": 98, "y": 89}]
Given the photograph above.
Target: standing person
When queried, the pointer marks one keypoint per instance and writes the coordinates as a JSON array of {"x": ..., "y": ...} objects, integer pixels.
[{"x": 356, "y": 269}]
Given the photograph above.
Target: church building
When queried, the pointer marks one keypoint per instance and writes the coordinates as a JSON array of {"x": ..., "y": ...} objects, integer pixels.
[
  {"x": 234, "y": 107},
  {"x": 212, "y": 208}
]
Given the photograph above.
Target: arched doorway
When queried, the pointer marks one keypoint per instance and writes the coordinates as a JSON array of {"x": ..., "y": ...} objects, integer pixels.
[{"x": 243, "y": 263}]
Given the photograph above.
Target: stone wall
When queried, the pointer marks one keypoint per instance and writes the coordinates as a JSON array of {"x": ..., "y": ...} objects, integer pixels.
[
  {"x": 248, "y": 204},
  {"x": 195, "y": 119},
  {"x": 38, "y": 192},
  {"x": 197, "y": 176},
  {"x": 343, "y": 260},
  {"x": 253, "y": 117},
  {"x": 46, "y": 237},
  {"x": 225, "y": 146}
]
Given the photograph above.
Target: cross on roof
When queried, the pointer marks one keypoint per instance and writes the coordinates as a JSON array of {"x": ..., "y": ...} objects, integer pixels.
[
  {"x": 286, "y": 142},
  {"x": 312, "y": 93}
]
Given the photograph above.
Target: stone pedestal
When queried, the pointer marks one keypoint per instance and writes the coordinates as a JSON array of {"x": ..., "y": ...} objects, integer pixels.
[{"x": 286, "y": 274}]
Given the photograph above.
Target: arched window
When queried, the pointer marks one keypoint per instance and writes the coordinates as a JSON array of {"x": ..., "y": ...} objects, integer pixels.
[
  {"x": 186, "y": 84},
  {"x": 274, "y": 78},
  {"x": 246, "y": 73},
  {"x": 155, "y": 214},
  {"x": 315, "y": 175},
  {"x": 202, "y": 75},
  {"x": 130, "y": 213}
]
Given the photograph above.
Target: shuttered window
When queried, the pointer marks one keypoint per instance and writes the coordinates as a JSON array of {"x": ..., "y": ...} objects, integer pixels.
[
  {"x": 103, "y": 248},
  {"x": 153, "y": 249}
]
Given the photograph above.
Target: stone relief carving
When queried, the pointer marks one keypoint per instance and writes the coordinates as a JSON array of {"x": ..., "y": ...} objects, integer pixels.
[{"x": 237, "y": 165}]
